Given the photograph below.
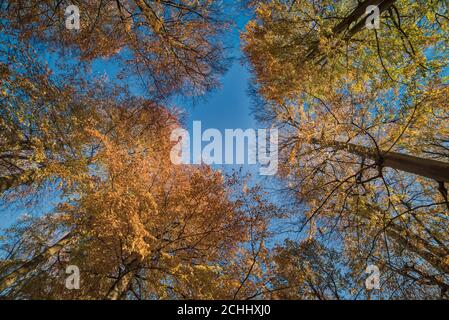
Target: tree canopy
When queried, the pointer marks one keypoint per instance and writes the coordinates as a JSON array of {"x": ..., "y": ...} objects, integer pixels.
[{"x": 364, "y": 151}]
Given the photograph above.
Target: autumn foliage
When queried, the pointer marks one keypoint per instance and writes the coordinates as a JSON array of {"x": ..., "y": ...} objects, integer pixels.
[{"x": 364, "y": 152}]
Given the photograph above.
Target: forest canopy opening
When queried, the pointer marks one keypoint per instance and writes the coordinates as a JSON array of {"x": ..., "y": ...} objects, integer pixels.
[{"x": 351, "y": 115}]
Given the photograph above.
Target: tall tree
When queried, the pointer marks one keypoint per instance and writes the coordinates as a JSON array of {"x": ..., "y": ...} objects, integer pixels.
[
  {"x": 42, "y": 119},
  {"x": 139, "y": 227},
  {"x": 365, "y": 118}
]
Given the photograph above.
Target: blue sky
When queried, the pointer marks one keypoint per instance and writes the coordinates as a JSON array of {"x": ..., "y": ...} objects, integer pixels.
[{"x": 227, "y": 107}]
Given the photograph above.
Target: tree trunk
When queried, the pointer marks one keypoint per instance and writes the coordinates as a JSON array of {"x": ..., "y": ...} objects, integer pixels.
[
  {"x": 353, "y": 17},
  {"x": 383, "y": 6},
  {"x": 432, "y": 169},
  {"x": 15, "y": 180},
  {"x": 11, "y": 278},
  {"x": 121, "y": 285},
  {"x": 123, "y": 282},
  {"x": 359, "y": 12},
  {"x": 435, "y": 261},
  {"x": 422, "y": 248}
]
